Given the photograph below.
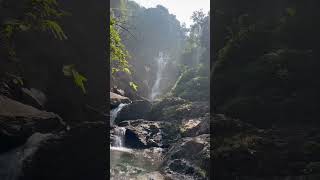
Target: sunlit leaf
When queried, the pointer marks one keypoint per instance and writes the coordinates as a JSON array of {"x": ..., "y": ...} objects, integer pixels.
[
  {"x": 79, "y": 80},
  {"x": 126, "y": 70},
  {"x": 133, "y": 86}
]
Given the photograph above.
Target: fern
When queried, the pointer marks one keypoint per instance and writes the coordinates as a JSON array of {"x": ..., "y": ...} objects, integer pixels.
[
  {"x": 54, "y": 28},
  {"x": 78, "y": 79},
  {"x": 38, "y": 15},
  {"x": 133, "y": 86}
]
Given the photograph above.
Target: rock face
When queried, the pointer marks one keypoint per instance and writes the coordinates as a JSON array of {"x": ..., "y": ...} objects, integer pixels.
[
  {"x": 222, "y": 125},
  {"x": 145, "y": 134},
  {"x": 176, "y": 109},
  {"x": 33, "y": 97},
  {"x": 244, "y": 151},
  {"x": 75, "y": 154},
  {"x": 136, "y": 110},
  {"x": 152, "y": 175},
  {"x": 116, "y": 99},
  {"x": 19, "y": 121},
  {"x": 196, "y": 126},
  {"x": 188, "y": 159}
]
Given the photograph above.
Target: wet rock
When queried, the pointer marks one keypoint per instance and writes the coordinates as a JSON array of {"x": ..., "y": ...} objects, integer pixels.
[
  {"x": 12, "y": 162},
  {"x": 144, "y": 134},
  {"x": 154, "y": 154},
  {"x": 118, "y": 91},
  {"x": 33, "y": 97},
  {"x": 19, "y": 121},
  {"x": 75, "y": 154},
  {"x": 136, "y": 110},
  {"x": 116, "y": 99},
  {"x": 188, "y": 159},
  {"x": 151, "y": 176}
]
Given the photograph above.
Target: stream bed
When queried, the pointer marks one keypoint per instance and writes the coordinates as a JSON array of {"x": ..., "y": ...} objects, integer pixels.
[
  {"x": 131, "y": 164},
  {"x": 134, "y": 164}
]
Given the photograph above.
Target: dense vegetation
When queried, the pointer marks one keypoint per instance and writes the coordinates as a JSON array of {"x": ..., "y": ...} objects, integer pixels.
[
  {"x": 265, "y": 81},
  {"x": 266, "y": 61}
]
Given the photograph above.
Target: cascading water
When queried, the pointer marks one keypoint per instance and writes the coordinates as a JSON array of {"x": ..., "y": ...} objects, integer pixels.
[
  {"x": 11, "y": 162},
  {"x": 161, "y": 64},
  {"x": 119, "y": 132},
  {"x": 114, "y": 112},
  {"x": 199, "y": 50}
]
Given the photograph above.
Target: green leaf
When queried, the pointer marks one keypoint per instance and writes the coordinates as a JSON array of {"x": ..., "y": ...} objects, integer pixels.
[
  {"x": 127, "y": 70},
  {"x": 133, "y": 86},
  {"x": 79, "y": 80}
]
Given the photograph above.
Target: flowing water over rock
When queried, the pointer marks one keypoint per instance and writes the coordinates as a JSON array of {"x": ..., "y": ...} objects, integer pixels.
[
  {"x": 119, "y": 136},
  {"x": 114, "y": 112},
  {"x": 129, "y": 163},
  {"x": 11, "y": 162},
  {"x": 134, "y": 164}
]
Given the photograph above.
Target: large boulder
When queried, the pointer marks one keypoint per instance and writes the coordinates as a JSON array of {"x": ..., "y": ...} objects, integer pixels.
[
  {"x": 19, "y": 121},
  {"x": 188, "y": 159},
  {"x": 144, "y": 134},
  {"x": 196, "y": 126},
  {"x": 136, "y": 110},
  {"x": 116, "y": 99},
  {"x": 79, "y": 153}
]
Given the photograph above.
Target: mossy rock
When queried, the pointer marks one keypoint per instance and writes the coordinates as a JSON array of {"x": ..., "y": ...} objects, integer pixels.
[{"x": 192, "y": 87}]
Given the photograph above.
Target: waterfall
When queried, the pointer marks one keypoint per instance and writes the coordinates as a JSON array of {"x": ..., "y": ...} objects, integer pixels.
[
  {"x": 114, "y": 112},
  {"x": 119, "y": 132},
  {"x": 161, "y": 64},
  {"x": 11, "y": 162},
  {"x": 199, "y": 50}
]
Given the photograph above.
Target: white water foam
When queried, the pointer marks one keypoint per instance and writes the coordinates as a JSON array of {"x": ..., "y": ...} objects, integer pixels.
[{"x": 114, "y": 112}]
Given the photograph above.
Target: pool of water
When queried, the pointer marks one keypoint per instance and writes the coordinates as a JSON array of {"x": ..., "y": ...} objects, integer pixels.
[{"x": 133, "y": 164}]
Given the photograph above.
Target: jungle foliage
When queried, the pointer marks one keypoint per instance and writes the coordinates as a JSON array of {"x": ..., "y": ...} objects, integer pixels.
[{"x": 266, "y": 61}]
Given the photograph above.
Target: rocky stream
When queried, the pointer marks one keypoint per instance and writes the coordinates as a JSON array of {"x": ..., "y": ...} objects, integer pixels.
[{"x": 150, "y": 141}]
